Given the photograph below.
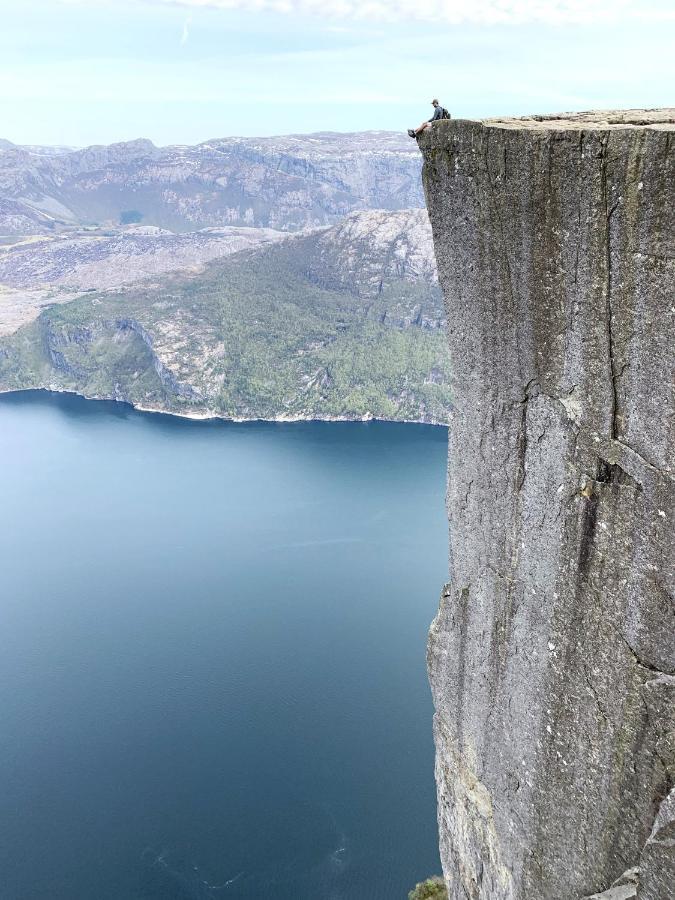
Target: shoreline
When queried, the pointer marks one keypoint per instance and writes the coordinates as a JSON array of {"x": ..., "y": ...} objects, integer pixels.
[{"x": 218, "y": 417}]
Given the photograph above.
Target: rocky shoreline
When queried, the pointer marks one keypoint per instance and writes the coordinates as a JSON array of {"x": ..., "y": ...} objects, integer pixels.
[{"x": 219, "y": 417}]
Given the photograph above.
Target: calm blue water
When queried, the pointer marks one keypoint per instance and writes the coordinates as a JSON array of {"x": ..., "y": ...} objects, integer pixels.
[{"x": 212, "y": 641}]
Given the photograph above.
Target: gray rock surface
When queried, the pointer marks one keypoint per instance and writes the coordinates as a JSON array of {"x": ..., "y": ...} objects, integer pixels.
[
  {"x": 552, "y": 654},
  {"x": 657, "y": 862},
  {"x": 370, "y": 246},
  {"x": 623, "y": 888}
]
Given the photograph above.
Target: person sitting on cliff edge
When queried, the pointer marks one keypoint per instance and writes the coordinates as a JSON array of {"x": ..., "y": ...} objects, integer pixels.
[{"x": 440, "y": 112}]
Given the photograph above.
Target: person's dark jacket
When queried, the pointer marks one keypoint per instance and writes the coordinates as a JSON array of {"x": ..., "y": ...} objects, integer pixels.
[{"x": 438, "y": 113}]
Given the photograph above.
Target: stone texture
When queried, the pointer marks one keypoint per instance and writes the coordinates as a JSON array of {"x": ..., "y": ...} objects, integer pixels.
[
  {"x": 551, "y": 656},
  {"x": 623, "y": 888},
  {"x": 657, "y": 862}
]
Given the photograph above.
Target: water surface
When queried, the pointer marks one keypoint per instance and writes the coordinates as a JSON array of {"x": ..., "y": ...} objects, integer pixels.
[{"x": 212, "y": 642}]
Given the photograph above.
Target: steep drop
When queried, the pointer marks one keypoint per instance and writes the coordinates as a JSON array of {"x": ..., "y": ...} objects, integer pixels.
[{"x": 551, "y": 659}]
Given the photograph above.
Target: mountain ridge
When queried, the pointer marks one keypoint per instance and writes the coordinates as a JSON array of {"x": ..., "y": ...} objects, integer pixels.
[
  {"x": 288, "y": 182},
  {"x": 338, "y": 323}
]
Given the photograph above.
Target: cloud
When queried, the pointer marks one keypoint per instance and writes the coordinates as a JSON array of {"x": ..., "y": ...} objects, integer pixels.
[
  {"x": 186, "y": 30},
  {"x": 483, "y": 12}
]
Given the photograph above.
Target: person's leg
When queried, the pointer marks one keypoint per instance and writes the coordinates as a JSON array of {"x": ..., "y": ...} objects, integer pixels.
[{"x": 413, "y": 132}]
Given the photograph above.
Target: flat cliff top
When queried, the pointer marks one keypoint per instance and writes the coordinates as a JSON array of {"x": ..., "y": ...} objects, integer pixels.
[{"x": 601, "y": 120}]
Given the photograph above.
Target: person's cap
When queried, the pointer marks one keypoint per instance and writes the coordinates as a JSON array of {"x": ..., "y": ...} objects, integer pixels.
[{"x": 434, "y": 101}]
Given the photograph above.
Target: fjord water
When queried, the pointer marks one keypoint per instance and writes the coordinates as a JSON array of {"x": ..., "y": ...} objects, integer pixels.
[{"x": 212, "y": 641}]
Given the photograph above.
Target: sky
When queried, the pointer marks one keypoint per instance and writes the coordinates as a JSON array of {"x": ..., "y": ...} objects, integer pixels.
[{"x": 81, "y": 72}]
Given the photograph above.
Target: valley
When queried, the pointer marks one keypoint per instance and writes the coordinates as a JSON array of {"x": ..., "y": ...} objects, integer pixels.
[{"x": 315, "y": 296}]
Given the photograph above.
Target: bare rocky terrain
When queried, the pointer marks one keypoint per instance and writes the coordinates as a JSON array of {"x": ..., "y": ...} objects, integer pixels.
[
  {"x": 43, "y": 269},
  {"x": 285, "y": 183}
]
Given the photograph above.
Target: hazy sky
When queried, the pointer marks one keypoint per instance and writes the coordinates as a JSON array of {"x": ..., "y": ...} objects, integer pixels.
[{"x": 182, "y": 71}]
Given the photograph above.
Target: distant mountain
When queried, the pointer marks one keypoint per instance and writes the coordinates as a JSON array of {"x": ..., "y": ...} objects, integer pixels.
[
  {"x": 101, "y": 259},
  {"x": 49, "y": 150},
  {"x": 19, "y": 218},
  {"x": 344, "y": 322},
  {"x": 285, "y": 183}
]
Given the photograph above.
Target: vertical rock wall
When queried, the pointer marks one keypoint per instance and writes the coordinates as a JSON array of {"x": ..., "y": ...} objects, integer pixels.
[{"x": 552, "y": 658}]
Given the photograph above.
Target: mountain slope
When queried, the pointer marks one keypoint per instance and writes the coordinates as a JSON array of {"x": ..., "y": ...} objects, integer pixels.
[
  {"x": 39, "y": 270},
  {"x": 343, "y": 323},
  {"x": 105, "y": 260},
  {"x": 286, "y": 183}
]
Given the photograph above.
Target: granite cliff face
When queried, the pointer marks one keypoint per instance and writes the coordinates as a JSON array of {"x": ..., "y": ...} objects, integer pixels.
[{"x": 552, "y": 658}]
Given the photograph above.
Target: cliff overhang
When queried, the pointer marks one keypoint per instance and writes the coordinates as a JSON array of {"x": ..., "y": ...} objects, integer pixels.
[{"x": 551, "y": 660}]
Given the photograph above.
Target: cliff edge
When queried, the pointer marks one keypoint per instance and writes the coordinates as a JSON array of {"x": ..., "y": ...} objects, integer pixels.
[{"x": 552, "y": 659}]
